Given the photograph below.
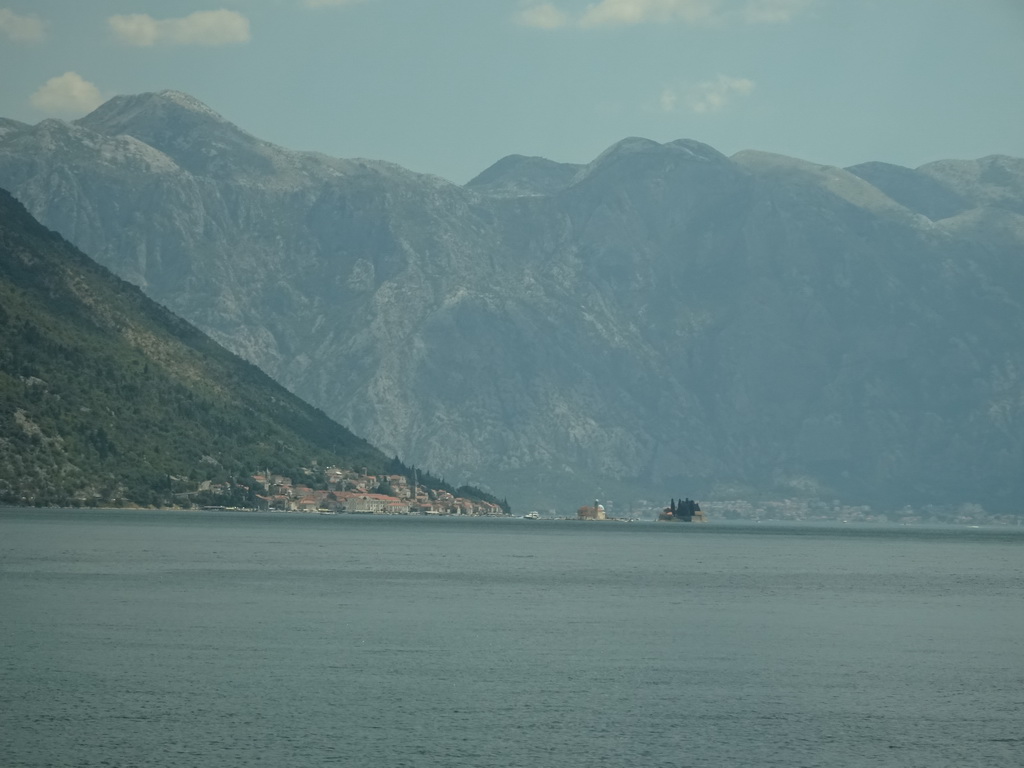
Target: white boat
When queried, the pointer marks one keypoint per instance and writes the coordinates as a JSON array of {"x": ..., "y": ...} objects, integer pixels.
[{"x": 531, "y": 516}]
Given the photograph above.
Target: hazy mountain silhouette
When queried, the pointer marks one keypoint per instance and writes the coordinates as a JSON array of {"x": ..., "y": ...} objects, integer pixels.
[{"x": 664, "y": 319}]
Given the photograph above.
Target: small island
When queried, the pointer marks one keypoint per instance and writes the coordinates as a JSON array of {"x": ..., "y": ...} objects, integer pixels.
[
  {"x": 685, "y": 511},
  {"x": 595, "y": 512}
]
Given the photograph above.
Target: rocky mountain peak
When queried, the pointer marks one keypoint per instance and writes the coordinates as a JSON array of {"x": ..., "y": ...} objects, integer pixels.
[
  {"x": 790, "y": 173},
  {"x": 196, "y": 137},
  {"x": 996, "y": 180},
  {"x": 696, "y": 150},
  {"x": 186, "y": 101},
  {"x": 8, "y": 126},
  {"x": 125, "y": 114},
  {"x": 635, "y": 149},
  {"x": 914, "y": 190},
  {"x": 52, "y": 134},
  {"x": 518, "y": 175},
  {"x": 634, "y": 160},
  {"x": 69, "y": 141}
]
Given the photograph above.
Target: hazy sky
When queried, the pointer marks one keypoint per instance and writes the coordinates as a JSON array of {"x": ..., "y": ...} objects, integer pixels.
[{"x": 450, "y": 86}]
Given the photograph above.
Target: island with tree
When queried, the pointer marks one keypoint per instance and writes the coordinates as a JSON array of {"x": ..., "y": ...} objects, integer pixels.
[{"x": 684, "y": 511}]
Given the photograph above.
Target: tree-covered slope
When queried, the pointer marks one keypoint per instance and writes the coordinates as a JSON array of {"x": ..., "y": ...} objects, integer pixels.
[{"x": 106, "y": 397}]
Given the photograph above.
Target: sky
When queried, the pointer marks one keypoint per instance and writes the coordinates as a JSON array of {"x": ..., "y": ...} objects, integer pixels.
[{"x": 449, "y": 87}]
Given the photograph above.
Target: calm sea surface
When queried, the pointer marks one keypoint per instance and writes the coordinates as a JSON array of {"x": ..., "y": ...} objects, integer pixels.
[{"x": 230, "y": 639}]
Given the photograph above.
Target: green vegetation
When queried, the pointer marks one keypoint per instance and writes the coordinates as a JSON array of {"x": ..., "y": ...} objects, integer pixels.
[{"x": 106, "y": 398}]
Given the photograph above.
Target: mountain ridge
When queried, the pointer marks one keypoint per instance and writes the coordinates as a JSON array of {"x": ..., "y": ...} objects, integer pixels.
[
  {"x": 109, "y": 398},
  {"x": 661, "y": 318}
]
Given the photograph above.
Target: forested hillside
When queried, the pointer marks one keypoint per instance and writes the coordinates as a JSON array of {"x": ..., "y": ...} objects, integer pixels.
[{"x": 108, "y": 398}]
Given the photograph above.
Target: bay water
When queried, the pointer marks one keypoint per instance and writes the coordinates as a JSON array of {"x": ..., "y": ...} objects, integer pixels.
[{"x": 158, "y": 638}]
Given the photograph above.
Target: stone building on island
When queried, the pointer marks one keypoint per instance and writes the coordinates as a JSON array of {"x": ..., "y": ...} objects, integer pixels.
[{"x": 595, "y": 512}]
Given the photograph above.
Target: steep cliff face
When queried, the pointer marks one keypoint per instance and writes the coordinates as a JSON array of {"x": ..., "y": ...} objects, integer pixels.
[
  {"x": 664, "y": 315},
  {"x": 108, "y": 398}
]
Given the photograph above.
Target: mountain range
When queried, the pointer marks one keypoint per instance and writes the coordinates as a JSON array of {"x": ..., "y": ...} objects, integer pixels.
[
  {"x": 664, "y": 320},
  {"x": 107, "y": 398}
]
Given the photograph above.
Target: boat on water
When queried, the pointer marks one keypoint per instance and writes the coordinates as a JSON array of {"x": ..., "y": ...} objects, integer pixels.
[{"x": 531, "y": 516}]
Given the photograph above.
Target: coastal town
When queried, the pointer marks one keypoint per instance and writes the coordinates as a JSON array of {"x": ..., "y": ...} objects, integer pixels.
[
  {"x": 352, "y": 492},
  {"x": 348, "y": 491}
]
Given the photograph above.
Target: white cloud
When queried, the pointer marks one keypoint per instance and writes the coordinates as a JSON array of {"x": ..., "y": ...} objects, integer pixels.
[
  {"x": 329, "y": 3},
  {"x": 627, "y": 12},
  {"x": 543, "y": 16},
  {"x": 199, "y": 28},
  {"x": 23, "y": 29},
  {"x": 713, "y": 95},
  {"x": 616, "y": 13},
  {"x": 68, "y": 94}
]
